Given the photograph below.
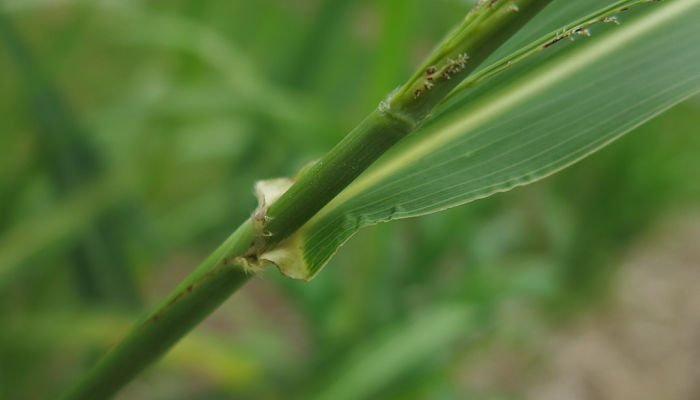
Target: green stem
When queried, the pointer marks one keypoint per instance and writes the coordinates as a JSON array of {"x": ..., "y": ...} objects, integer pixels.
[
  {"x": 194, "y": 299},
  {"x": 484, "y": 29},
  {"x": 325, "y": 179}
]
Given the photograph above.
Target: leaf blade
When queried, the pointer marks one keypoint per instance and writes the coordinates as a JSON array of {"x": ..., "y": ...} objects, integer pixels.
[{"x": 541, "y": 120}]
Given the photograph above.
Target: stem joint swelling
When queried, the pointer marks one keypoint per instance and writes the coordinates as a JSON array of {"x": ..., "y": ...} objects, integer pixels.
[{"x": 395, "y": 116}]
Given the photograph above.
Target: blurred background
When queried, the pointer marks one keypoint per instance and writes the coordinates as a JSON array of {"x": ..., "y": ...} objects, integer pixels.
[{"x": 131, "y": 134}]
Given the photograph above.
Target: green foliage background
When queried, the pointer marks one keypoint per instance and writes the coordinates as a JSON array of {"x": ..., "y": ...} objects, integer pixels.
[{"x": 130, "y": 139}]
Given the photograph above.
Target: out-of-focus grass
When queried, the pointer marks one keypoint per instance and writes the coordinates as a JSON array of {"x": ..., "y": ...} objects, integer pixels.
[{"x": 185, "y": 104}]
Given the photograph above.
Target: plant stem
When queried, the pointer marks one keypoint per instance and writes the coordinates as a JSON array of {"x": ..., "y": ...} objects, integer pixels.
[
  {"x": 200, "y": 294},
  {"x": 484, "y": 29}
]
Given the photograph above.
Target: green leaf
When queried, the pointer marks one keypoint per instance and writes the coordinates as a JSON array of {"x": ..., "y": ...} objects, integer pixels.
[{"x": 533, "y": 120}]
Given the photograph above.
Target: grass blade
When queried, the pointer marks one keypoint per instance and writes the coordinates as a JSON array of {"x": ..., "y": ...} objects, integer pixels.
[{"x": 538, "y": 119}]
